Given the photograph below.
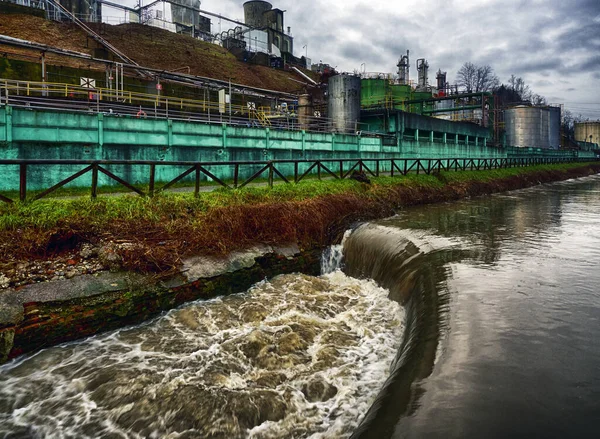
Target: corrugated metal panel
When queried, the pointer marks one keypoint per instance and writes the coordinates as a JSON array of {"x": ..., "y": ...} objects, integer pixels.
[
  {"x": 555, "y": 122},
  {"x": 583, "y": 131},
  {"x": 528, "y": 127}
]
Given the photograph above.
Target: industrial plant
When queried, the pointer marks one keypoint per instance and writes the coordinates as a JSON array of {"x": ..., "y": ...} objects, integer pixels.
[{"x": 174, "y": 60}]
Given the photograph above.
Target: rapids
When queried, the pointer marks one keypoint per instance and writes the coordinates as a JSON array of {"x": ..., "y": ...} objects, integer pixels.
[{"x": 298, "y": 356}]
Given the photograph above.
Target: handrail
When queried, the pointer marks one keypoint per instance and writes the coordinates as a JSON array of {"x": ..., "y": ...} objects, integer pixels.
[{"x": 100, "y": 99}]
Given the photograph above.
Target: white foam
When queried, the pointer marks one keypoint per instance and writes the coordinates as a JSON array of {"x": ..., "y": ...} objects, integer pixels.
[{"x": 211, "y": 366}]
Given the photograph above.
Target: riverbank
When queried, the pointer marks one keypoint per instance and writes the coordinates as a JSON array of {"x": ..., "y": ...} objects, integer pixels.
[
  {"x": 62, "y": 238},
  {"x": 163, "y": 251}
]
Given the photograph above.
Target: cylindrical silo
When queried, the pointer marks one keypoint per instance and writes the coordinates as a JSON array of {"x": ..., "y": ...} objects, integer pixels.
[
  {"x": 254, "y": 13},
  {"x": 587, "y": 132},
  {"x": 344, "y": 102},
  {"x": 555, "y": 122},
  {"x": 527, "y": 126}
]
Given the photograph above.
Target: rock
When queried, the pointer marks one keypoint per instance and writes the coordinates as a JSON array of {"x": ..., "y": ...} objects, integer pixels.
[
  {"x": 4, "y": 281},
  {"x": 88, "y": 251},
  {"x": 71, "y": 274},
  {"x": 71, "y": 262},
  {"x": 108, "y": 256},
  {"x": 360, "y": 176}
]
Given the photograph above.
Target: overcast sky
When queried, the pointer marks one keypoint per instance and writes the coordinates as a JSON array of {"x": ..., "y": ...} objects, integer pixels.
[{"x": 553, "y": 44}]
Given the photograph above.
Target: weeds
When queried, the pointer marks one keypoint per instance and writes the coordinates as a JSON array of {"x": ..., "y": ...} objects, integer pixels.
[{"x": 170, "y": 226}]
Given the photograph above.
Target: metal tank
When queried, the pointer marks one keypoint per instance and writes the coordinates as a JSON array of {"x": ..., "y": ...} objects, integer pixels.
[
  {"x": 254, "y": 13},
  {"x": 344, "y": 102},
  {"x": 527, "y": 126},
  {"x": 587, "y": 132},
  {"x": 554, "y": 127}
]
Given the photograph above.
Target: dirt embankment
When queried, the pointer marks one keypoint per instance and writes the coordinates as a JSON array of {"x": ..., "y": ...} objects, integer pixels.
[
  {"x": 148, "y": 46},
  {"x": 80, "y": 246}
]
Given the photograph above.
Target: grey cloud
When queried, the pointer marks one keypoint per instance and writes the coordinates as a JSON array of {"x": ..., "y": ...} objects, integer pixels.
[{"x": 511, "y": 37}]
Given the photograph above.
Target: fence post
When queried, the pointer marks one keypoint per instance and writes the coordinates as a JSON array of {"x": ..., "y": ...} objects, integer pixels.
[
  {"x": 94, "y": 180},
  {"x": 22, "y": 181},
  {"x": 270, "y": 175},
  {"x": 236, "y": 175}
]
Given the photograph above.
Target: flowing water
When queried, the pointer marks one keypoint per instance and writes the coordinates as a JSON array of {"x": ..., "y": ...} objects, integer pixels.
[
  {"x": 294, "y": 357},
  {"x": 472, "y": 319}
]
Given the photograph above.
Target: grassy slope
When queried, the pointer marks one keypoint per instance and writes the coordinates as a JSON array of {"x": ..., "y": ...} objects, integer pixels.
[{"x": 171, "y": 226}]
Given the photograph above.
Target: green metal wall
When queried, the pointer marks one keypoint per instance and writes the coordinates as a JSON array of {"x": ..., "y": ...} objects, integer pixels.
[{"x": 33, "y": 134}]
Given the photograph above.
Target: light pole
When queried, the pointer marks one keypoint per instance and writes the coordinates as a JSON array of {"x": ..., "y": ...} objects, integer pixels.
[{"x": 306, "y": 47}]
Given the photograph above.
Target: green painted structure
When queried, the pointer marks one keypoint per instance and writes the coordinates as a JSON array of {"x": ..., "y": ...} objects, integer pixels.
[
  {"x": 383, "y": 93},
  {"x": 38, "y": 134}
]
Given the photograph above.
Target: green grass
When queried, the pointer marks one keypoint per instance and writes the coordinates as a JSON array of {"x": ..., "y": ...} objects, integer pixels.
[
  {"x": 494, "y": 174},
  {"x": 49, "y": 213}
]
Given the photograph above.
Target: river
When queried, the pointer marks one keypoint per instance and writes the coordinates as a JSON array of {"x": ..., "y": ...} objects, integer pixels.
[{"x": 479, "y": 318}]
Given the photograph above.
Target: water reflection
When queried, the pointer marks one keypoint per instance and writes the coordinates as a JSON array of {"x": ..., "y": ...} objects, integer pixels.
[{"x": 516, "y": 351}]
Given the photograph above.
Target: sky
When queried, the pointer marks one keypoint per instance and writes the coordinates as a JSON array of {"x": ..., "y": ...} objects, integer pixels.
[{"x": 554, "y": 45}]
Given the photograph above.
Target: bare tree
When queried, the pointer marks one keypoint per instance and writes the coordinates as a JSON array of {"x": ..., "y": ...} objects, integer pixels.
[
  {"x": 537, "y": 99},
  {"x": 517, "y": 84},
  {"x": 467, "y": 76},
  {"x": 477, "y": 79},
  {"x": 486, "y": 79}
]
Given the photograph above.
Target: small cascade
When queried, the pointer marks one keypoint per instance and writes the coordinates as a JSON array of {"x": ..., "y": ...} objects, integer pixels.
[{"x": 333, "y": 256}]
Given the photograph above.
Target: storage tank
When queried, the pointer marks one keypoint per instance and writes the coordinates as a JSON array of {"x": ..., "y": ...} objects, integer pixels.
[
  {"x": 555, "y": 123},
  {"x": 527, "y": 126},
  {"x": 583, "y": 131},
  {"x": 344, "y": 102},
  {"x": 254, "y": 13}
]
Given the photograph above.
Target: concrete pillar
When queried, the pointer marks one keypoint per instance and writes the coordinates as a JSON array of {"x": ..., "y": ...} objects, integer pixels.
[
  {"x": 305, "y": 111},
  {"x": 431, "y": 137},
  {"x": 456, "y": 139},
  {"x": 445, "y": 138},
  {"x": 417, "y": 135}
]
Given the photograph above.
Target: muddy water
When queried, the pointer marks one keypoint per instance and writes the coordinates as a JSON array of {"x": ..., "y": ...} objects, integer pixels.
[
  {"x": 295, "y": 357},
  {"x": 471, "y": 319},
  {"x": 502, "y": 296}
]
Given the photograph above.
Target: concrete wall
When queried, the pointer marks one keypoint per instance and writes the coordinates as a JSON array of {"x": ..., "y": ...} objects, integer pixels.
[{"x": 29, "y": 134}]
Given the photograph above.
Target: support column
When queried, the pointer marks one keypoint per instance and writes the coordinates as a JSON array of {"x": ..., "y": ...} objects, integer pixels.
[
  {"x": 8, "y": 124},
  {"x": 417, "y": 135},
  {"x": 100, "y": 129},
  {"x": 445, "y": 138}
]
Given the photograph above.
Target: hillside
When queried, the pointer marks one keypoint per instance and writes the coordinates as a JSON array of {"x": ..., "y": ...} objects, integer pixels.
[{"x": 148, "y": 46}]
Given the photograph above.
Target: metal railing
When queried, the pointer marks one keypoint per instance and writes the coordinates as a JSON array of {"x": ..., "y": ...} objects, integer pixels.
[
  {"x": 331, "y": 168},
  {"x": 71, "y": 97}
]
